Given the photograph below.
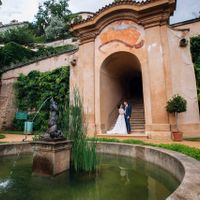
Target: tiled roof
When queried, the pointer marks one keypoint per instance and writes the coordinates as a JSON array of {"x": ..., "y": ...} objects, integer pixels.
[{"x": 123, "y": 2}]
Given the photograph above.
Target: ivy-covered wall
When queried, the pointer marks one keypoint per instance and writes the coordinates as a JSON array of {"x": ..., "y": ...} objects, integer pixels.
[
  {"x": 33, "y": 89},
  {"x": 195, "y": 50}
]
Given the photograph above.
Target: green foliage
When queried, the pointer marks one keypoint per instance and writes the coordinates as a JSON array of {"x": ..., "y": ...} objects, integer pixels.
[
  {"x": 176, "y": 104},
  {"x": 49, "y": 9},
  {"x": 32, "y": 90},
  {"x": 2, "y": 136},
  {"x": 21, "y": 35},
  {"x": 42, "y": 52},
  {"x": 83, "y": 152},
  {"x": 14, "y": 53},
  {"x": 56, "y": 28},
  {"x": 195, "y": 50}
]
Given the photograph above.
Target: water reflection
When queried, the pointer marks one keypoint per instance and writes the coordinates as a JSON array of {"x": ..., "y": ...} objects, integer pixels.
[{"x": 117, "y": 178}]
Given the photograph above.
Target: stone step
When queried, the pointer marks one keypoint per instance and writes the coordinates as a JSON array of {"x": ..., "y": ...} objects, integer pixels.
[
  {"x": 138, "y": 128},
  {"x": 137, "y": 117},
  {"x": 137, "y": 122},
  {"x": 138, "y": 110},
  {"x": 137, "y": 132},
  {"x": 137, "y": 125}
]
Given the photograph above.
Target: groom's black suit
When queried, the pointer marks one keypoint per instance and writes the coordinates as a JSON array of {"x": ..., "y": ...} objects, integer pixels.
[{"x": 128, "y": 112}]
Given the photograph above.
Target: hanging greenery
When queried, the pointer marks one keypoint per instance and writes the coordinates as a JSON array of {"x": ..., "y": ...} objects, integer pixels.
[
  {"x": 32, "y": 90},
  {"x": 195, "y": 50}
]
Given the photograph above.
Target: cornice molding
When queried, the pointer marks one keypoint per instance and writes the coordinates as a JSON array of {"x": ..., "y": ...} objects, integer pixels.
[{"x": 147, "y": 14}]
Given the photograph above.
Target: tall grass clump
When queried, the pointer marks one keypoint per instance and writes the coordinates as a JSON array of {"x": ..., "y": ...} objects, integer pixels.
[{"x": 83, "y": 152}]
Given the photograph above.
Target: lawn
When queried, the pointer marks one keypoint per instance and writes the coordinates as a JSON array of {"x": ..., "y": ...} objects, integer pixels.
[
  {"x": 12, "y": 132},
  {"x": 16, "y": 132},
  {"x": 2, "y": 136},
  {"x": 193, "y": 139}
]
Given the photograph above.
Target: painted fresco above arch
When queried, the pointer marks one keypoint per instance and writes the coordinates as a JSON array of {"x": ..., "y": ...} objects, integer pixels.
[{"x": 125, "y": 32}]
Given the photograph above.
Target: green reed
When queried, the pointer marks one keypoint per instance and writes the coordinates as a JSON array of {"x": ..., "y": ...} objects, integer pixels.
[{"x": 83, "y": 152}]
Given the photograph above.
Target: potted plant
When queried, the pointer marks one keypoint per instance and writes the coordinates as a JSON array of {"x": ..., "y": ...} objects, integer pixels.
[{"x": 177, "y": 104}]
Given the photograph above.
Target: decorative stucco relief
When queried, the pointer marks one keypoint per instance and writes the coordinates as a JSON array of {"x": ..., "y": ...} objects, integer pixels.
[{"x": 123, "y": 31}]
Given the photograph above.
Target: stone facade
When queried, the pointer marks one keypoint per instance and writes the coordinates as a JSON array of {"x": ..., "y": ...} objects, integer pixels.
[
  {"x": 126, "y": 41},
  {"x": 128, "y": 51}
]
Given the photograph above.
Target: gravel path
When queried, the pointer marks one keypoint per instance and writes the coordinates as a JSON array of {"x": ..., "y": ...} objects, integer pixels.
[
  {"x": 15, "y": 138},
  {"x": 19, "y": 138}
]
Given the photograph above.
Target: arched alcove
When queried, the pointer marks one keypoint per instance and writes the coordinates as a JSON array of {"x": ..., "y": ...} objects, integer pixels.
[{"x": 120, "y": 79}]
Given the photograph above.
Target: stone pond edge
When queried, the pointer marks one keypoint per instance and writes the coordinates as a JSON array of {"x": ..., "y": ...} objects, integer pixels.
[{"x": 184, "y": 168}]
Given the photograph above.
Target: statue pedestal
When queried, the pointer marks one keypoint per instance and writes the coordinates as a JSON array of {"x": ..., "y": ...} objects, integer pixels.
[{"x": 51, "y": 157}]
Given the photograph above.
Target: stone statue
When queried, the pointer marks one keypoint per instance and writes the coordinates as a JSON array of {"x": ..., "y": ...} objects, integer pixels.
[{"x": 53, "y": 132}]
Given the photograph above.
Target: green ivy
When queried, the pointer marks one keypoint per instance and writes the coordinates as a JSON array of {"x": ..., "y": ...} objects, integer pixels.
[
  {"x": 195, "y": 50},
  {"x": 33, "y": 89}
]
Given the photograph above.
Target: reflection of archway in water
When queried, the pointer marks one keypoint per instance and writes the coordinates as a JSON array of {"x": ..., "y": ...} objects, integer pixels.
[{"x": 120, "y": 79}]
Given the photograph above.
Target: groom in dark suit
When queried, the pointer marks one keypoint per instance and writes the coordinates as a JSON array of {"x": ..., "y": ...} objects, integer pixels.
[{"x": 128, "y": 111}]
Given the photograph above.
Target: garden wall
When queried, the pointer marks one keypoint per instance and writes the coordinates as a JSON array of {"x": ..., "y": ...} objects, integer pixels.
[{"x": 7, "y": 94}]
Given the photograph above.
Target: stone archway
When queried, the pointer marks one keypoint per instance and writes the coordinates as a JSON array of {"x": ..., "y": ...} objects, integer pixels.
[{"x": 121, "y": 79}]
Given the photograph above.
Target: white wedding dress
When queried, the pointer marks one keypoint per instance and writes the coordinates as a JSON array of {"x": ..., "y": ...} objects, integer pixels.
[{"x": 120, "y": 125}]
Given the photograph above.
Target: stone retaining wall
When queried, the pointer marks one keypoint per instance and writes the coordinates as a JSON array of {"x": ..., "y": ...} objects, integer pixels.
[{"x": 8, "y": 79}]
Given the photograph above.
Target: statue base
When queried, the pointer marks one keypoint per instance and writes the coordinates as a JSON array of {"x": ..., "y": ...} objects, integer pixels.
[{"x": 51, "y": 157}]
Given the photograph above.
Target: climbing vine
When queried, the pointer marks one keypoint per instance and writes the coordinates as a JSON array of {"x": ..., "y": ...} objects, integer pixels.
[
  {"x": 195, "y": 50},
  {"x": 33, "y": 89}
]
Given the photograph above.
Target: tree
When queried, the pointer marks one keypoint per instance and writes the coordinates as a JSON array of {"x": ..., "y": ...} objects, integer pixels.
[
  {"x": 49, "y": 9},
  {"x": 55, "y": 29},
  {"x": 177, "y": 104}
]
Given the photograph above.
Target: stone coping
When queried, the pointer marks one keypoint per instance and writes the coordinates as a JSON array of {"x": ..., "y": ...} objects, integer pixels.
[
  {"x": 52, "y": 142},
  {"x": 184, "y": 168},
  {"x": 8, "y": 149}
]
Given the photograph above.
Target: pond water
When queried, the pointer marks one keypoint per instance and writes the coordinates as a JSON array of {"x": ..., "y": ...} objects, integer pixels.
[{"x": 118, "y": 178}]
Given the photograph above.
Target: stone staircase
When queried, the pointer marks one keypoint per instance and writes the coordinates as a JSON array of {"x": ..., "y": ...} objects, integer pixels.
[{"x": 137, "y": 119}]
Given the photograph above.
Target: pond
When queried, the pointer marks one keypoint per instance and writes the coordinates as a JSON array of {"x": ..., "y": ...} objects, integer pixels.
[{"x": 117, "y": 178}]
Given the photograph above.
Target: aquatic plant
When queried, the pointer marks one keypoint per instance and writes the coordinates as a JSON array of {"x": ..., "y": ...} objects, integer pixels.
[{"x": 83, "y": 152}]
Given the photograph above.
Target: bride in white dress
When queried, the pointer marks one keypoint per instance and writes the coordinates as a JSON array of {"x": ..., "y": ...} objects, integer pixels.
[{"x": 120, "y": 125}]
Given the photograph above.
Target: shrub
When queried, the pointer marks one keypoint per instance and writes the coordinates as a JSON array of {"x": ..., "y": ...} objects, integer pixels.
[
  {"x": 176, "y": 104},
  {"x": 13, "y": 53},
  {"x": 21, "y": 35}
]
